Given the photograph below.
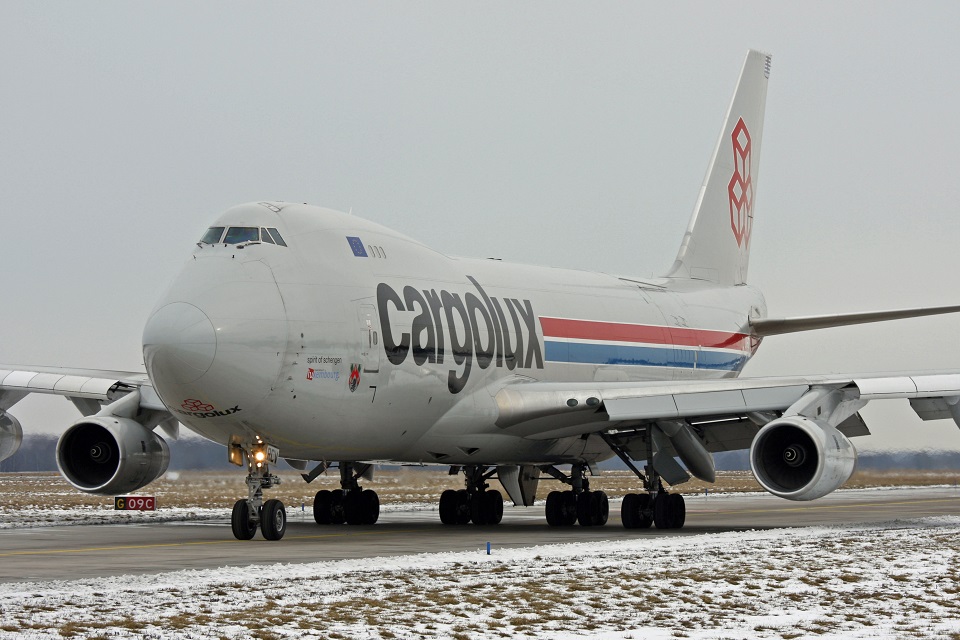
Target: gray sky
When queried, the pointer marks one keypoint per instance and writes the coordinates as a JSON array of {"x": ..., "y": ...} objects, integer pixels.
[{"x": 557, "y": 133}]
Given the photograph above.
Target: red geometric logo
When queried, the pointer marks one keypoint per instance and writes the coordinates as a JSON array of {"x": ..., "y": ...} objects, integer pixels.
[
  {"x": 740, "y": 188},
  {"x": 196, "y": 405}
]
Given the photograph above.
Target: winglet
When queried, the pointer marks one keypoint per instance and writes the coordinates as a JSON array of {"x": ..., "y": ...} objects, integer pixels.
[{"x": 717, "y": 242}]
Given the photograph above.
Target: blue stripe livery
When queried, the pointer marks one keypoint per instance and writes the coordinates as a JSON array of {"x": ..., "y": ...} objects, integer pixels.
[{"x": 645, "y": 356}]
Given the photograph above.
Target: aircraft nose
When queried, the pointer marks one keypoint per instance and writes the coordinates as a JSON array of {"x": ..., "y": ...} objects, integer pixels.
[
  {"x": 179, "y": 342},
  {"x": 218, "y": 338}
]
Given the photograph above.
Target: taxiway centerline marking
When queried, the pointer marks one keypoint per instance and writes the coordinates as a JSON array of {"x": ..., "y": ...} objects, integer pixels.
[{"x": 159, "y": 545}]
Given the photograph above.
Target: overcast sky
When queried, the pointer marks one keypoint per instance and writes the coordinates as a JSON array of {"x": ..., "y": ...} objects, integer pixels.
[{"x": 557, "y": 133}]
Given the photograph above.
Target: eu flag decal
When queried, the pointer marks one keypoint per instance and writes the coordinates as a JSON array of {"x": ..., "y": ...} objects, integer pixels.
[{"x": 357, "y": 245}]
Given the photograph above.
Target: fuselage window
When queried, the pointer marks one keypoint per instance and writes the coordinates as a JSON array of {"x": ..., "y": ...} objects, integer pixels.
[
  {"x": 212, "y": 236},
  {"x": 237, "y": 235},
  {"x": 276, "y": 237},
  {"x": 265, "y": 236}
]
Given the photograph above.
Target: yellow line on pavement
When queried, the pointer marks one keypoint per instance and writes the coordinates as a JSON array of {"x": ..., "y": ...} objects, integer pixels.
[{"x": 160, "y": 545}]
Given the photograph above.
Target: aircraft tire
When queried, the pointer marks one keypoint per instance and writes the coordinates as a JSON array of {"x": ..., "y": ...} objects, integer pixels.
[
  {"x": 464, "y": 512},
  {"x": 569, "y": 508},
  {"x": 243, "y": 527},
  {"x": 273, "y": 520},
  {"x": 370, "y": 505},
  {"x": 448, "y": 506},
  {"x": 555, "y": 509},
  {"x": 679, "y": 508},
  {"x": 478, "y": 509},
  {"x": 351, "y": 508},
  {"x": 630, "y": 511},
  {"x": 663, "y": 511},
  {"x": 646, "y": 514},
  {"x": 492, "y": 506},
  {"x": 585, "y": 509},
  {"x": 322, "y": 503},
  {"x": 337, "y": 514},
  {"x": 599, "y": 508}
]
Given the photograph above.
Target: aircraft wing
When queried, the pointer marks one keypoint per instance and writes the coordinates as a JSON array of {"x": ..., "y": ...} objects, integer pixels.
[
  {"x": 723, "y": 415},
  {"x": 89, "y": 390}
]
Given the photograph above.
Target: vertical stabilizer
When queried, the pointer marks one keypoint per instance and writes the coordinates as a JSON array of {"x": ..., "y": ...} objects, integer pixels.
[{"x": 716, "y": 246}]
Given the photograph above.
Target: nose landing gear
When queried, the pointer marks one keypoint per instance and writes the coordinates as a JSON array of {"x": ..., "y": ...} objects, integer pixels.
[{"x": 248, "y": 515}]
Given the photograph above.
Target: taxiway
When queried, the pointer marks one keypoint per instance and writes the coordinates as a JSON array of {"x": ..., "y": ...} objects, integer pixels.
[{"x": 72, "y": 552}]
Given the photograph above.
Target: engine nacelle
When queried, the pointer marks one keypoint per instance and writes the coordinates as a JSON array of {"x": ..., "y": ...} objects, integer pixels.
[
  {"x": 11, "y": 435},
  {"x": 111, "y": 456},
  {"x": 801, "y": 459}
]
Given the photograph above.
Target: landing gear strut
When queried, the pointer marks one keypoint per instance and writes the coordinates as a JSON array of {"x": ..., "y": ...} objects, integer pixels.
[
  {"x": 656, "y": 506},
  {"x": 580, "y": 504},
  {"x": 476, "y": 503},
  {"x": 248, "y": 514},
  {"x": 351, "y": 503}
]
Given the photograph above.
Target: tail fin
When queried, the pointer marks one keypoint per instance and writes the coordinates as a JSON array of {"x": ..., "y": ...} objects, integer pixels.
[{"x": 716, "y": 246}]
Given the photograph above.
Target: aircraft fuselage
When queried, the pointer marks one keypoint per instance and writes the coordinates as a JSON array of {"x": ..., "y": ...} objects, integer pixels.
[{"x": 354, "y": 342}]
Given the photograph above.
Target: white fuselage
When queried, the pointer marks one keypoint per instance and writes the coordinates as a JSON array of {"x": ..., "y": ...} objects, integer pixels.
[{"x": 356, "y": 343}]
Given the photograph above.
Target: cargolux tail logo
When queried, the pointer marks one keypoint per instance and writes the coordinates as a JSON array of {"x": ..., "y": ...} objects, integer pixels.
[{"x": 740, "y": 188}]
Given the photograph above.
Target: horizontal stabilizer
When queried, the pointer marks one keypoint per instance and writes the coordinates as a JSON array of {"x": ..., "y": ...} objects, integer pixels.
[{"x": 775, "y": 326}]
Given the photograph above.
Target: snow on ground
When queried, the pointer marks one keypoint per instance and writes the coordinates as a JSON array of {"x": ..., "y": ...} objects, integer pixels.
[{"x": 894, "y": 580}]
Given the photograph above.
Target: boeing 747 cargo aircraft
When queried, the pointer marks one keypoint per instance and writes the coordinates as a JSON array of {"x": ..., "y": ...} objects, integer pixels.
[{"x": 299, "y": 332}]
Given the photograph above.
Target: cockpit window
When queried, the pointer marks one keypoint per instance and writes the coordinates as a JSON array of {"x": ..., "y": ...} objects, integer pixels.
[
  {"x": 265, "y": 236},
  {"x": 212, "y": 236},
  {"x": 238, "y": 235},
  {"x": 276, "y": 236}
]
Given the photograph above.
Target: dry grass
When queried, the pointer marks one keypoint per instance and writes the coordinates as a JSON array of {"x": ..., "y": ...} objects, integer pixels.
[{"x": 197, "y": 489}]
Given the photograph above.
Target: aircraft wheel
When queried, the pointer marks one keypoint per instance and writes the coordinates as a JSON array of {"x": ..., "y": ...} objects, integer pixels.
[
  {"x": 630, "y": 511},
  {"x": 585, "y": 509},
  {"x": 663, "y": 511},
  {"x": 273, "y": 520},
  {"x": 321, "y": 506},
  {"x": 478, "y": 509},
  {"x": 646, "y": 513},
  {"x": 679, "y": 508},
  {"x": 370, "y": 506},
  {"x": 569, "y": 508},
  {"x": 463, "y": 507},
  {"x": 492, "y": 506},
  {"x": 337, "y": 514},
  {"x": 555, "y": 509},
  {"x": 599, "y": 508},
  {"x": 352, "y": 507},
  {"x": 448, "y": 506},
  {"x": 243, "y": 527}
]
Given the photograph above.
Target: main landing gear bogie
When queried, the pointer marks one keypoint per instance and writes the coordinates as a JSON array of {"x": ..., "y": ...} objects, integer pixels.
[
  {"x": 356, "y": 507},
  {"x": 588, "y": 508},
  {"x": 464, "y": 507},
  {"x": 350, "y": 504},
  {"x": 666, "y": 511},
  {"x": 477, "y": 503}
]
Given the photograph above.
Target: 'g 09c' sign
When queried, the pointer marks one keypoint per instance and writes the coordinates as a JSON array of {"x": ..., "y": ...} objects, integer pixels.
[{"x": 135, "y": 503}]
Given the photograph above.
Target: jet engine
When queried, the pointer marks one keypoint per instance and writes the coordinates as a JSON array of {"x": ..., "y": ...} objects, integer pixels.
[
  {"x": 801, "y": 459},
  {"x": 111, "y": 456},
  {"x": 11, "y": 435}
]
